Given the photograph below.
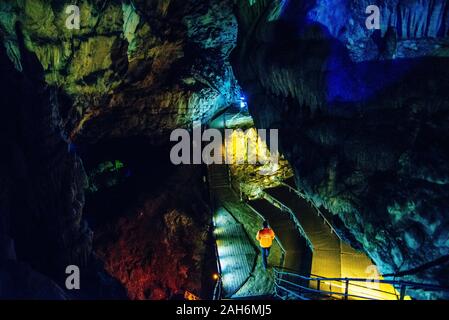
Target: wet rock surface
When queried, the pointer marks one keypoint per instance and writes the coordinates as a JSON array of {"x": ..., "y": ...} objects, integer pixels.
[
  {"x": 133, "y": 67},
  {"x": 158, "y": 247},
  {"x": 366, "y": 143},
  {"x": 42, "y": 196},
  {"x": 362, "y": 117}
]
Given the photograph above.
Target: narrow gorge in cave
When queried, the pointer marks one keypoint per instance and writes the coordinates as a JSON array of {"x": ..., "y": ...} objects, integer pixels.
[{"x": 224, "y": 149}]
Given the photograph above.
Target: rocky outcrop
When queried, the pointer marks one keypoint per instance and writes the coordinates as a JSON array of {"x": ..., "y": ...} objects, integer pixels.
[
  {"x": 362, "y": 117},
  {"x": 250, "y": 179},
  {"x": 41, "y": 187},
  {"x": 364, "y": 131},
  {"x": 157, "y": 248},
  {"x": 133, "y": 67},
  {"x": 19, "y": 281}
]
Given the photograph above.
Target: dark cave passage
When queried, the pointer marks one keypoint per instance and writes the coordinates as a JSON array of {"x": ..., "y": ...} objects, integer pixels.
[
  {"x": 140, "y": 223},
  {"x": 359, "y": 191},
  {"x": 128, "y": 168}
]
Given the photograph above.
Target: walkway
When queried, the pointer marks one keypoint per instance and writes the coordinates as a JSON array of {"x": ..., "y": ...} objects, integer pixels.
[
  {"x": 237, "y": 255},
  {"x": 326, "y": 260},
  {"x": 297, "y": 254},
  {"x": 258, "y": 281},
  {"x": 305, "y": 244},
  {"x": 332, "y": 258}
]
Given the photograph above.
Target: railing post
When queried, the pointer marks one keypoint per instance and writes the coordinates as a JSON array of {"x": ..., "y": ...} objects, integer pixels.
[
  {"x": 318, "y": 285},
  {"x": 402, "y": 292},
  {"x": 346, "y": 288},
  {"x": 276, "y": 278}
]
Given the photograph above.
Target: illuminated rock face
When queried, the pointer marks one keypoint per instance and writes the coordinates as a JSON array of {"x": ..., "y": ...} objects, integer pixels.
[
  {"x": 41, "y": 197},
  {"x": 252, "y": 178},
  {"x": 141, "y": 68},
  {"x": 131, "y": 70},
  {"x": 364, "y": 133},
  {"x": 158, "y": 249},
  {"x": 362, "y": 118}
]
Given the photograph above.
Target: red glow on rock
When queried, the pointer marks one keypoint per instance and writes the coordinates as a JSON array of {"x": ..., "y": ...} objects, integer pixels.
[{"x": 156, "y": 253}]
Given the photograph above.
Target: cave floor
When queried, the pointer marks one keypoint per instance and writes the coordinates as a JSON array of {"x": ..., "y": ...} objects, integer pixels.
[
  {"x": 258, "y": 281},
  {"x": 236, "y": 252}
]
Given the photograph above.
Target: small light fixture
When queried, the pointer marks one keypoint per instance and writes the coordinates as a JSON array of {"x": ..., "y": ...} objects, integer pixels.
[
  {"x": 215, "y": 276},
  {"x": 243, "y": 103}
]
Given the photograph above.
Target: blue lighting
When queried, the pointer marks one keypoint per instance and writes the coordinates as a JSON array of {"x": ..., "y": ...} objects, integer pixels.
[
  {"x": 243, "y": 103},
  {"x": 348, "y": 79}
]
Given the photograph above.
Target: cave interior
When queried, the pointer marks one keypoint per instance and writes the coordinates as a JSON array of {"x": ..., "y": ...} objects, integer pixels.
[{"x": 354, "y": 98}]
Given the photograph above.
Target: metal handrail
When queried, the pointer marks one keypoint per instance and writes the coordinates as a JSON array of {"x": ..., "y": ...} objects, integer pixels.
[
  {"x": 403, "y": 285},
  {"x": 218, "y": 289},
  {"x": 316, "y": 291},
  {"x": 290, "y": 292},
  {"x": 408, "y": 283},
  {"x": 325, "y": 292},
  {"x": 284, "y": 208},
  {"x": 345, "y": 280},
  {"x": 355, "y": 285}
]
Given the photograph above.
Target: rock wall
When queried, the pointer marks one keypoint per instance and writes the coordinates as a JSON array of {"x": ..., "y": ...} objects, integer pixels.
[
  {"x": 362, "y": 117},
  {"x": 133, "y": 67},
  {"x": 159, "y": 248},
  {"x": 41, "y": 190},
  {"x": 364, "y": 130}
]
